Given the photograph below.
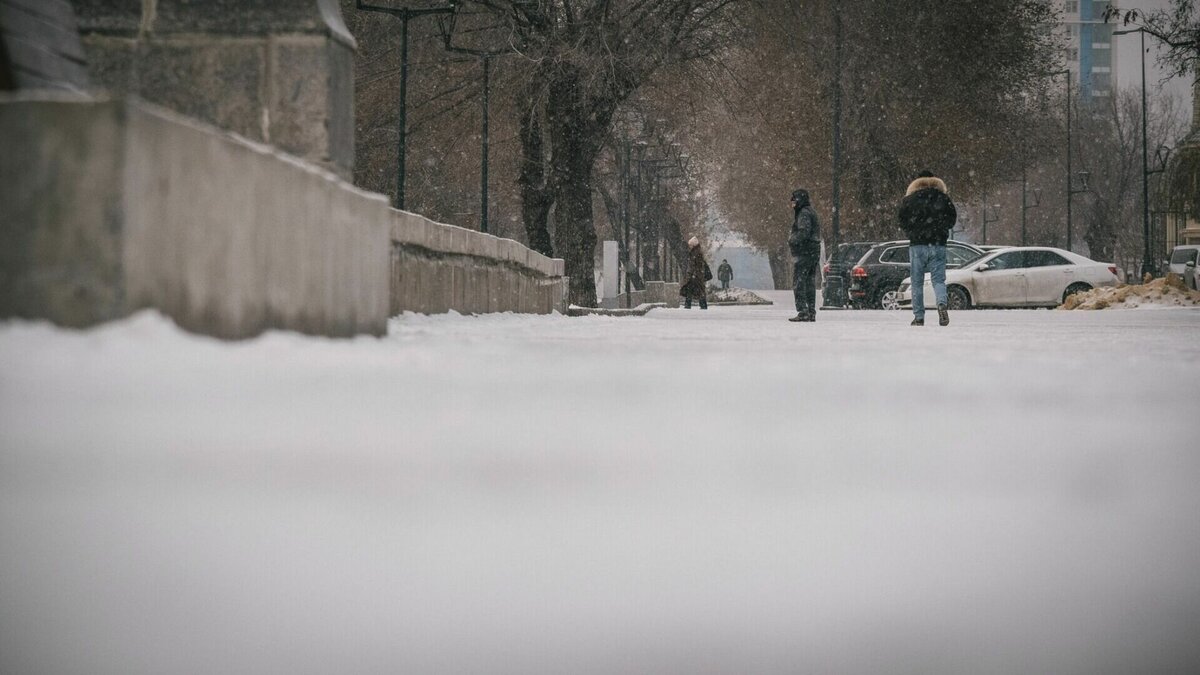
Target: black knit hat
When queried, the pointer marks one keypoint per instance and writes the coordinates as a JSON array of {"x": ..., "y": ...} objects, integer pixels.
[{"x": 925, "y": 173}]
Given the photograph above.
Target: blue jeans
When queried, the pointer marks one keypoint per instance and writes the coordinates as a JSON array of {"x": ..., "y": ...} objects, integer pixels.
[{"x": 929, "y": 258}]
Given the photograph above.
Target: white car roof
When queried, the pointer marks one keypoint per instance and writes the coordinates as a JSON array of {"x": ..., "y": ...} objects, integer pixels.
[{"x": 1069, "y": 255}]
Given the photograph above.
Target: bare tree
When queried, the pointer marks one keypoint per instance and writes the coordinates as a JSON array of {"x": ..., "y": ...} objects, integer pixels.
[
  {"x": 1177, "y": 27},
  {"x": 586, "y": 57}
]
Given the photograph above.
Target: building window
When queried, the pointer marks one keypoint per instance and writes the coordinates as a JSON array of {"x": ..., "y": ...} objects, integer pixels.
[
  {"x": 1101, "y": 45},
  {"x": 1101, "y": 69},
  {"x": 1100, "y": 93},
  {"x": 1071, "y": 6},
  {"x": 1072, "y": 53}
]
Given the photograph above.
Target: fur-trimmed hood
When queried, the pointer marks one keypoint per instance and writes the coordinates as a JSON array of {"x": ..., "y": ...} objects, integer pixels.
[{"x": 927, "y": 182}]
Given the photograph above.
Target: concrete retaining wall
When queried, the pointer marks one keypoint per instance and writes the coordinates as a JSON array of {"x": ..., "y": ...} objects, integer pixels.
[
  {"x": 107, "y": 207},
  {"x": 275, "y": 71},
  {"x": 437, "y": 268}
]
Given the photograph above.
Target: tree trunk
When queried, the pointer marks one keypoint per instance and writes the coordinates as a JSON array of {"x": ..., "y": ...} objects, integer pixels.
[
  {"x": 1101, "y": 234},
  {"x": 780, "y": 261},
  {"x": 536, "y": 199},
  {"x": 577, "y": 128},
  {"x": 575, "y": 231}
]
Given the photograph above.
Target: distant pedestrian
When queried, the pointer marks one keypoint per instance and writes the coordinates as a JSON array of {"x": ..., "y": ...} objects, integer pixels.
[
  {"x": 927, "y": 215},
  {"x": 696, "y": 277},
  {"x": 725, "y": 274},
  {"x": 805, "y": 244}
]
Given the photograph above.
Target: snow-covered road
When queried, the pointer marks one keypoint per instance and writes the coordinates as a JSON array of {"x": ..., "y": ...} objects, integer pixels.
[{"x": 688, "y": 492}]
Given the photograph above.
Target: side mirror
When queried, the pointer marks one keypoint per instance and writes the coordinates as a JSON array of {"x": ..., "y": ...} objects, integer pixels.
[
  {"x": 983, "y": 268},
  {"x": 1191, "y": 263}
]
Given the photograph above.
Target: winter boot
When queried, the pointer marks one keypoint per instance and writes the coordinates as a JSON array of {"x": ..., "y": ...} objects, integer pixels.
[
  {"x": 919, "y": 321},
  {"x": 703, "y": 303},
  {"x": 687, "y": 303},
  {"x": 799, "y": 317},
  {"x": 943, "y": 316}
]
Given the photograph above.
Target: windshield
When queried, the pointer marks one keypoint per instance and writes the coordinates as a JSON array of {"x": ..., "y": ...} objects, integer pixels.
[
  {"x": 1183, "y": 256},
  {"x": 850, "y": 253},
  {"x": 972, "y": 258}
]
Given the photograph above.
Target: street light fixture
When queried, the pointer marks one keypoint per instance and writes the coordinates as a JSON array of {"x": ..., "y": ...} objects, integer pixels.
[{"x": 405, "y": 14}]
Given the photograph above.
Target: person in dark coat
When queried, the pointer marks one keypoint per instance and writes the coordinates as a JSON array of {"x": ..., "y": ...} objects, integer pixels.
[
  {"x": 805, "y": 244},
  {"x": 725, "y": 274},
  {"x": 927, "y": 215},
  {"x": 696, "y": 277}
]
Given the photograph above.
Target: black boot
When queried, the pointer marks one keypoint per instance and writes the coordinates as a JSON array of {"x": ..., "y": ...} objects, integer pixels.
[
  {"x": 703, "y": 303},
  {"x": 918, "y": 322},
  {"x": 943, "y": 316},
  {"x": 687, "y": 304}
]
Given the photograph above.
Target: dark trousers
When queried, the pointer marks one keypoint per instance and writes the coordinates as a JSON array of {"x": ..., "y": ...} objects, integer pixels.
[
  {"x": 804, "y": 280},
  {"x": 702, "y": 297}
]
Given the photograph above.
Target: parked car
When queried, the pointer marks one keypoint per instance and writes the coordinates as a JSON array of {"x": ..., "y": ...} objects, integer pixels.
[
  {"x": 1183, "y": 262},
  {"x": 835, "y": 291},
  {"x": 875, "y": 280},
  {"x": 1024, "y": 276}
]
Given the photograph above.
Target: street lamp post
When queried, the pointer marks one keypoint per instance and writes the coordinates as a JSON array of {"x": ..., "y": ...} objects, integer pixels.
[
  {"x": 985, "y": 219},
  {"x": 1025, "y": 205},
  {"x": 405, "y": 14},
  {"x": 1070, "y": 190},
  {"x": 1147, "y": 261},
  {"x": 485, "y": 58}
]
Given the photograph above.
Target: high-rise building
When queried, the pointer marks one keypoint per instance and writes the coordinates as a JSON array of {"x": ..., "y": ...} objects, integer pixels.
[{"x": 1090, "y": 49}]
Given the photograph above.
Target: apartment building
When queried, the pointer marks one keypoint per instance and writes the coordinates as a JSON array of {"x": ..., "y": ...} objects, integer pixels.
[{"x": 1090, "y": 50}]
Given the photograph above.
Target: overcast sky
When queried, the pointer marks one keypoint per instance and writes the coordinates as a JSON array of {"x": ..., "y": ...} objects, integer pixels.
[{"x": 1129, "y": 67}]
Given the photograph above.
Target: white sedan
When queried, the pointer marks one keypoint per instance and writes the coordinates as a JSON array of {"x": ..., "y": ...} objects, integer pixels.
[{"x": 1020, "y": 276}]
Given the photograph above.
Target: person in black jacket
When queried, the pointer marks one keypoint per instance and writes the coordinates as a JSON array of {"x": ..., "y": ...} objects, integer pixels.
[
  {"x": 927, "y": 215},
  {"x": 696, "y": 277},
  {"x": 805, "y": 244},
  {"x": 725, "y": 274}
]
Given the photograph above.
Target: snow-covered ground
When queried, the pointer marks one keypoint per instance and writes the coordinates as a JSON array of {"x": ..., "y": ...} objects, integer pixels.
[{"x": 1016, "y": 493}]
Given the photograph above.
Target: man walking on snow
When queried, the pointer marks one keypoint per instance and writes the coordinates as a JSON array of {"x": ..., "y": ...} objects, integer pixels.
[
  {"x": 805, "y": 244},
  {"x": 927, "y": 215}
]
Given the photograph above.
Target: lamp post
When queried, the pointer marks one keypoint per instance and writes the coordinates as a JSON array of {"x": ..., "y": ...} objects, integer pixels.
[
  {"x": 985, "y": 219},
  {"x": 1070, "y": 190},
  {"x": 485, "y": 59},
  {"x": 1025, "y": 205},
  {"x": 1147, "y": 261},
  {"x": 405, "y": 14}
]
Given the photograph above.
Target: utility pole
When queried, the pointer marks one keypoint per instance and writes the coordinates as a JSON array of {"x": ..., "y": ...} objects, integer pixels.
[
  {"x": 1147, "y": 260},
  {"x": 837, "y": 122},
  {"x": 405, "y": 15},
  {"x": 485, "y": 61}
]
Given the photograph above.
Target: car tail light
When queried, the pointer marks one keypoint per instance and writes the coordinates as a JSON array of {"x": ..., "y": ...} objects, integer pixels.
[
  {"x": 826, "y": 269},
  {"x": 1113, "y": 269},
  {"x": 858, "y": 272}
]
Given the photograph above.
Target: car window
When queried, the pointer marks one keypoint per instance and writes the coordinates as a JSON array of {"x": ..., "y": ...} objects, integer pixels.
[
  {"x": 956, "y": 255},
  {"x": 1008, "y": 261},
  {"x": 1044, "y": 259},
  {"x": 897, "y": 254},
  {"x": 849, "y": 253},
  {"x": 1182, "y": 256}
]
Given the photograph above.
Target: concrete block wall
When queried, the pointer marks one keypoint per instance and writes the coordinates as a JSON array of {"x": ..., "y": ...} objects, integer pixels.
[
  {"x": 276, "y": 71},
  {"x": 437, "y": 268},
  {"x": 110, "y": 206}
]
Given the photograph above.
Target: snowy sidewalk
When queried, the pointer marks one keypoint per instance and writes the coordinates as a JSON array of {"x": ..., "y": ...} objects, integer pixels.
[{"x": 687, "y": 492}]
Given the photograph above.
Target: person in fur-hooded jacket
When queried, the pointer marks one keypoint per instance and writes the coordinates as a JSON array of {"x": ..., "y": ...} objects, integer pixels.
[{"x": 927, "y": 215}]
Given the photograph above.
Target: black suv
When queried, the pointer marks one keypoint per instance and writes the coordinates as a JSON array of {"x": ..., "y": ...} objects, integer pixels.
[
  {"x": 835, "y": 291},
  {"x": 877, "y": 276}
]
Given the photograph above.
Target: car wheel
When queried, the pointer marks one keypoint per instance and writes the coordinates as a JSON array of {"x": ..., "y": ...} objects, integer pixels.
[
  {"x": 889, "y": 299},
  {"x": 1078, "y": 287},
  {"x": 957, "y": 298}
]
